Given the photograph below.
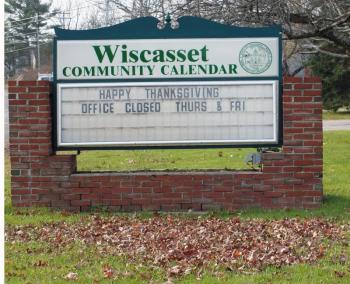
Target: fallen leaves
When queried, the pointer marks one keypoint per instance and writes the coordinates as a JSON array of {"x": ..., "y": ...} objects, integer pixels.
[
  {"x": 40, "y": 263},
  {"x": 108, "y": 272},
  {"x": 342, "y": 259},
  {"x": 186, "y": 245},
  {"x": 71, "y": 276},
  {"x": 339, "y": 274},
  {"x": 174, "y": 271}
]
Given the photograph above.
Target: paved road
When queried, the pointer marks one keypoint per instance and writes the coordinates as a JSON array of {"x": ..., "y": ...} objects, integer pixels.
[{"x": 343, "y": 124}]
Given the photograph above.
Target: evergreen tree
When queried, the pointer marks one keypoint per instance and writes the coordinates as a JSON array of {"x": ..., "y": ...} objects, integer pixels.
[
  {"x": 335, "y": 75},
  {"x": 24, "y": 18}
]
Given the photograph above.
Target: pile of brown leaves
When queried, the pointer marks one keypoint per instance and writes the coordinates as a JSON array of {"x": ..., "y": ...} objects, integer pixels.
[{"x": 182, "y": 245}]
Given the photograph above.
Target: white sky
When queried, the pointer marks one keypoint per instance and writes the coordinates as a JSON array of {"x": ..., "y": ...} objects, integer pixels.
[{"x": 79, "y": 10}]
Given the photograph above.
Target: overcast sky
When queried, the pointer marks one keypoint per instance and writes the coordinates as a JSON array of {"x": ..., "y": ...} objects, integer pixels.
[{"x": 73, "y": 8}]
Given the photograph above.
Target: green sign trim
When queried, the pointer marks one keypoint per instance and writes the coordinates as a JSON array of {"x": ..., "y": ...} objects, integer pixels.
[{"x": 189, "y": 27}]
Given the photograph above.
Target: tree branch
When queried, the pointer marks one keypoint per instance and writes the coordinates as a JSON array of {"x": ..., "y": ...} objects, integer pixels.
[
  {"x": 326, "y": 31},
  {"x": 317, "y": 49}
]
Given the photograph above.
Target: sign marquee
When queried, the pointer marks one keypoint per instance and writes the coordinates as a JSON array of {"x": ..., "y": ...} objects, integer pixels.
[
  {"x": 167, "y": 88},
  {"x": 171, "y": 58}
]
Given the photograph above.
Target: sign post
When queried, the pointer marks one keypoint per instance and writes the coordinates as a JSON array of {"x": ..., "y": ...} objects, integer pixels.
[{"x": 136, "y": 86}]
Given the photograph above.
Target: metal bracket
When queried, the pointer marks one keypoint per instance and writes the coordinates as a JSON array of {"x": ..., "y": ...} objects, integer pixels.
[{"x": 253, "y": 160}]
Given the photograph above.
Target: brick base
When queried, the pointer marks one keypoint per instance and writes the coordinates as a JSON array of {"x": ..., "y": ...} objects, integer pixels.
[{"x": 289, "y": 179}]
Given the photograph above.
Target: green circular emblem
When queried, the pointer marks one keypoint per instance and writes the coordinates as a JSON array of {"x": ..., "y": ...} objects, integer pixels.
[{"x": 255, "y": 57}]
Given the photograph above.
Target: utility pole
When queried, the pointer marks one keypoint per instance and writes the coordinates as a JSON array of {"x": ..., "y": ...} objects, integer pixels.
[
  {"x": 37, "y": 43},
  {"x": 107, "y": 13},
  {"x": 63, "y": 18}
]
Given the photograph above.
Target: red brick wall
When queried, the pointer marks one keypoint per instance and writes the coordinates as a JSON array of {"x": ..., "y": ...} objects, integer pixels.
[{"x": 290, "y": 179}]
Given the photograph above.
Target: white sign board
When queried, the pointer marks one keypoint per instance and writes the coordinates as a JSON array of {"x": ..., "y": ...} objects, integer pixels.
[
  {"x": 196, "y": 84},
  {"x": 167, "y": 113},
  {"x": 170, "y": 58}
]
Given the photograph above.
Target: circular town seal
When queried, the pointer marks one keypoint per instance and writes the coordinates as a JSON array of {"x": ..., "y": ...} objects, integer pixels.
[{"x": 255, "y": 57}]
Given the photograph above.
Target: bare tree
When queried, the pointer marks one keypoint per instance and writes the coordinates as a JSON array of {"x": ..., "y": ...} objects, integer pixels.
[
  {"x": 141, "y": 8},
  {"x": 325, "y": 24},
  {"x": 316, "y": 25},
  {"x": 69, "y": 15}
]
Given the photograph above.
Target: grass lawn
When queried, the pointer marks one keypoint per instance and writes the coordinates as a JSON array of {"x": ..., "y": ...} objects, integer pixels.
[
  {"x": 330, "y": 115},
  {"x": 163, "y": 159},
  {"x": 37, "y": 262}
]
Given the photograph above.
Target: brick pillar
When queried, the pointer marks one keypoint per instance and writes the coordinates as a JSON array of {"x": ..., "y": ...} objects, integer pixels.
[
  {"x": 297, "y": 171},
  {"x": 36, "y": 174}
]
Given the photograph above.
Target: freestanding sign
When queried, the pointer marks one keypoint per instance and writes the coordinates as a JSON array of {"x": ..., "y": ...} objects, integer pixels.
[{"x": 133, "y": 85}]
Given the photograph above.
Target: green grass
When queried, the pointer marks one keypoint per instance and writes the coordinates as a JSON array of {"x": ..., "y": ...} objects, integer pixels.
[
  {"x": 22, "y": 259},
  {"x": 163, "y": 159},
  {"x": 330, "y": 115},
  {"x": 38, "y": 263}
]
